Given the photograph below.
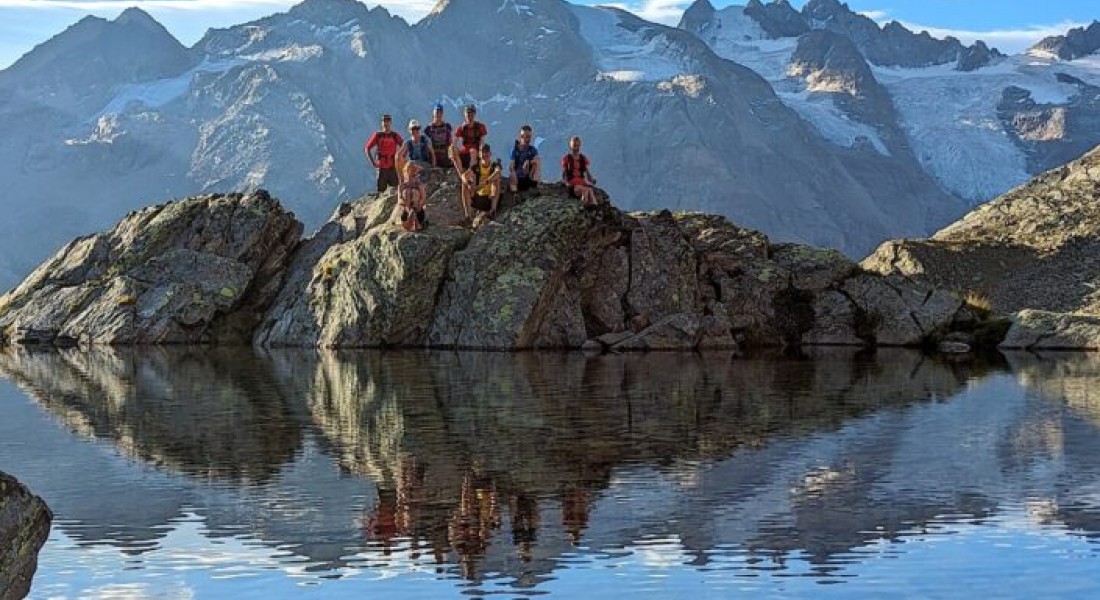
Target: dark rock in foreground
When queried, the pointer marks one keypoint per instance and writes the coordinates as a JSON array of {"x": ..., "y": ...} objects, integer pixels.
[
  {"x": 547, "y": 273},
  {"x": 24, "y": 527}
]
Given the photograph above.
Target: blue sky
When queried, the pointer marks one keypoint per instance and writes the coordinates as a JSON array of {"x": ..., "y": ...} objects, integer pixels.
[{"x": 1008, "y": 24}]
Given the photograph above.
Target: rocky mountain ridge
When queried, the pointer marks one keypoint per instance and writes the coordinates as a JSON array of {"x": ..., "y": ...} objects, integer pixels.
[
  {"x": 1033, "y": 252},
  {"x": 546, "y": 273}
]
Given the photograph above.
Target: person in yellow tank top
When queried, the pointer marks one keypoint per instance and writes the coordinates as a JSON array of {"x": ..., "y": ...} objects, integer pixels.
[{"x": 481, "y": 184}]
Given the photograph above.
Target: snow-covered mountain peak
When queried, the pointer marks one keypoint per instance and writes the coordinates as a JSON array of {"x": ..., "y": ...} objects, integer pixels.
[{"x": 1076, "y": 43}]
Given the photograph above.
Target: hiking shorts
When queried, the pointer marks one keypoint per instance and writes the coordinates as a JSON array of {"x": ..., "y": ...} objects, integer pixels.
[
  {"x": 526, "y": 183},
  {"x": 442, "y": 160},
  {"x": 483, "y": 203},
  {"x": 387, "y": 178}
]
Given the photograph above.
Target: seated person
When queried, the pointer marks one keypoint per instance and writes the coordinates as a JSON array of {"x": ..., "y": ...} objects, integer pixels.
[
  {"x": 412, "y": 196},
  {"x": 524, "y": 168},
  {"x": 576, "y": 173},
  {"x": 481, "y": 184}
]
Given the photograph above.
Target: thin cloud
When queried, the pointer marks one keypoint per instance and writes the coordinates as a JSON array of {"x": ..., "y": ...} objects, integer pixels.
[
  {"x": 1011, "y": 41},
  {"x": 404, "y": 7},
  {"x": 667, "y": 12},
  {"x": 876, "y": 15}
]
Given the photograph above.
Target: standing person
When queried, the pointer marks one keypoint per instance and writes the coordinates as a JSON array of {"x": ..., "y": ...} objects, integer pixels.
[
  {"x": 416, "y": 149},
  {"x": 472, "y": 133},
  {"x": 481, "y": 184},
  {"x": 441, "y": 135},
  {"x": 525, "y": 167},
  {"x": 576, "y": 173},
  {"x": 386, "y": 141}
]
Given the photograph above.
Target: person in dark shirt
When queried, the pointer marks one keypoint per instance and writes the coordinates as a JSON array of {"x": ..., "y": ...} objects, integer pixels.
[
  {"x": 441, "y": 135},
  {"x": 385, "y": 143},
  {"x": 525, "y": 167}
]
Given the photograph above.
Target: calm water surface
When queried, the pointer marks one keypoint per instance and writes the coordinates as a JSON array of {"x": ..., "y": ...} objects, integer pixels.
[{"x": 228, "y": 473}]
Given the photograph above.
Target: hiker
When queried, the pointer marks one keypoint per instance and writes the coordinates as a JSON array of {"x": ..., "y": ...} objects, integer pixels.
[
  {"x": 576, "y": 173},
  {"x": 442, "y": 137},
  {"x": 481, "y": 184},
  {"x": 416, "y": 149},
  {"x": 525, "y": 167},
  {"x": 386, "y": 141},
  {"x": 472, "y": 133},
  {"x": 412, "y": 196}
]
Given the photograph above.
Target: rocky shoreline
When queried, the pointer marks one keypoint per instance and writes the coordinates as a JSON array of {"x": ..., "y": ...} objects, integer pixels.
[
  {"x": 24, "y": 527},
  {"x": 547, "y": 273}
]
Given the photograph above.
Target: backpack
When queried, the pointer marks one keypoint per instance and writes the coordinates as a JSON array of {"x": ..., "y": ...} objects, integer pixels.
[
  {"x": 382, "y": 135},
  {"x": 440, "y": 135},
  {"x": 419, "y": 151},
  {"x": 472, "y": 135},
  {"x": 569, "y": 168}
]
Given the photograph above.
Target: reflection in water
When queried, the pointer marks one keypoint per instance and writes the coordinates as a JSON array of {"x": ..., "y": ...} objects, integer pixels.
[{"x": 507, "y": 464}]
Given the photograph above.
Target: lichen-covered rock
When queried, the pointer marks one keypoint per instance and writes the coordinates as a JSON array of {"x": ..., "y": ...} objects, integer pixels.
[
  {"x": 24, "y": 527},
  {"x": 1044, "y": 330},
  {"x": 1036, "y": 247},
  {"x": 545, "y": 273},
  {"x": 663, "y": 277},
  {"x": 899, "y": 312},
  {"x": 516, "y": 284},
  {"x": 201, "y": 269},
  {"x": 674, "y": 332},
  {"x": 363, "y": 281}
]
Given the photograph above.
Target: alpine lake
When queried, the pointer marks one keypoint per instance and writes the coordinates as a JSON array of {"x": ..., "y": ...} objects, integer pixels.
[{"x": 234, "y": 473}]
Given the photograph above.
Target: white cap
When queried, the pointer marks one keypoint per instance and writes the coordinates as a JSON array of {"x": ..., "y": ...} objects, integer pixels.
[{"x": 414, "y": 123}]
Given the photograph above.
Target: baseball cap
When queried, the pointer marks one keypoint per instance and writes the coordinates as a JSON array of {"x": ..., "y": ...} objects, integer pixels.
[
  {"x": 439, "y": 107},
  {"x": 414, "y": 124}
]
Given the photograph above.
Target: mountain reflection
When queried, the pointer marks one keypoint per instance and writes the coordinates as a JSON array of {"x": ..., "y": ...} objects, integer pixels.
[{"x": 504, "y": 463}]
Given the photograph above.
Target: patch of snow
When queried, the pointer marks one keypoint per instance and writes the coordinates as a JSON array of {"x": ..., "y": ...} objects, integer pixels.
[
  {"x": 732, "y": 26},
  {"x": 951, "y": 119},
  {"x": 623, "y": 55},
  {"x": 821, "y": 111},
  {"x": 521, "y": 9},
  {"x": 154, "y": 94},
  {"x": 291, "y": 53}
]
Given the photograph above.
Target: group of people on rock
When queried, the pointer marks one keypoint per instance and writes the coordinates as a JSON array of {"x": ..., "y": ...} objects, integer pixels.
[{"x": 401, "y": 164}]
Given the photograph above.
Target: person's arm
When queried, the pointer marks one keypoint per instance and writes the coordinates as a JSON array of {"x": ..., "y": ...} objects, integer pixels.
[
  {"x": 589, "y": 174},
  {"x": 403, "y": 151},
  {"x": 371, "y": 144}
]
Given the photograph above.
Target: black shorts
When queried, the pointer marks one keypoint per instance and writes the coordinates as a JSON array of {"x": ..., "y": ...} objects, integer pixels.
[
  {"x": 484, "y": 203},
  {"x": 387, "y": 178},
  {"x": 526, "y": 183},
  {"x": 464, "y": 158}
]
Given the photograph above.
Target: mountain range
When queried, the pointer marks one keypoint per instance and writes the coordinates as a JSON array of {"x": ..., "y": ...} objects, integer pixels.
[{"x": 817, "y": 125}]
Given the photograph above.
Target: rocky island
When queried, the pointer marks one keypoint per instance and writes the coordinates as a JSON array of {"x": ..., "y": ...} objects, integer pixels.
[{"x": 548, "y": 273}]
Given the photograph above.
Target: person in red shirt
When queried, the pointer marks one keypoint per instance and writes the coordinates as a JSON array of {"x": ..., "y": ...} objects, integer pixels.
[
  {"x": 386, "y": 143},
  {"x": 472, "y": 133},
  {"x": 576, "y": 173}
]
